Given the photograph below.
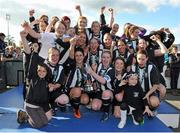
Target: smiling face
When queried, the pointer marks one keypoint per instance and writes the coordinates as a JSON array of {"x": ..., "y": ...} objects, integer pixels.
[
  {"x": 121, "y": 47},
  {"x": 82, "y": 22},
  {"x": 79, "y": 57},
  {"x": 134, "y": 32},
  {"x": 133, "y": 80},
  {"x": 115, "y": 28},
  {"x": 42, "y": 26},
  {"x": 41, "y": 71},
  {"x": 95, "y": 27},
  {"x": 53, "y": 56},
  {"x": 81, "y": 40},
  {"x": 142, "y": 44},
  {"x": 174, "y": 50},
  {"x": 93, "y": 45},
  {"x": 71, "y": 32},
  {"x": 107, "y": 40},
  {"x": 60, "y": 29},
  {"x": 106, "y": 59},
  {"x": 119, "y": 65},
  {"x": 67, "y": 23}
]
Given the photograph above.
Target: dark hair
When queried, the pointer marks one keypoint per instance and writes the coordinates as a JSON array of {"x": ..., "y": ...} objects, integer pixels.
[
  {"x": 42, "y": 16},
  {"x": 174, "y": 46},
  {"x": 79, "y": 49},
  {"x": 98, "y": 41},
  {"x": 122, "y": 59},
  {"x": 2, "y": 34},
  {"x": 119, "y": 58},
  {"x": 132, "y": 29},
  {"x": 108, "y": 34},
  {"x": 144, "y": 52},
  {"x": 48, "y": 76},
  {"x": 162, "y": 34},
  {"x": 39, "y": 44},
  {"x": 130, "y": 73}
]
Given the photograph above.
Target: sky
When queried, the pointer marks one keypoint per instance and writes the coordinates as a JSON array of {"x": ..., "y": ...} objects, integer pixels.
[{"x": 150, "y": 14}]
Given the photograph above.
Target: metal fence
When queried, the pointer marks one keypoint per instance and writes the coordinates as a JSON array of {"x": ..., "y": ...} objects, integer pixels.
[{"x": 11, "y": 73}]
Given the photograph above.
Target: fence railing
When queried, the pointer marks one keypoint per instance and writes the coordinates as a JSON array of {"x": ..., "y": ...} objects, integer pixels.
[{"x": 11, "y": 73}]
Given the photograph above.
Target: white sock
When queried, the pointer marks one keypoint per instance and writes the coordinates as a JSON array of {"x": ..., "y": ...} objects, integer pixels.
[
  {"x": 123, "y": 119},
  {"x": 134, "y": 121}
]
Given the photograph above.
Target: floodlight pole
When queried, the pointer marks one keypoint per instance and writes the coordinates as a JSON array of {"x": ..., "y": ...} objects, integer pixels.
[{"x": 8, "y": 17}]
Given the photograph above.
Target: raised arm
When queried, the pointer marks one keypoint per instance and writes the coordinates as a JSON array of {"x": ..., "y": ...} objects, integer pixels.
[
  {"x": 170, "y": 39},
  {"x": 111, "y": 17},
  {"x": 72, "y": 47},
  {"x": 102, "y": 17},
  {"x": 28, "y": 29},
  {"x": 162, "y": 50},
  {"x": 51, "y": 24},
  {"x": 79, "y": 9},
  {"x": 142, "y": 31},
  {"x": 26, "y": 47},
  {"x": 31, "y": 15}
]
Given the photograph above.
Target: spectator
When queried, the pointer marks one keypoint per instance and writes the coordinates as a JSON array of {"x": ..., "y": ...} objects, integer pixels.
[
  {"x": 18, "y": 54},
  {"x": 2, "y": 43},
  {"x": 9, "y": 53},
  {"x": 175, "y": 69}
]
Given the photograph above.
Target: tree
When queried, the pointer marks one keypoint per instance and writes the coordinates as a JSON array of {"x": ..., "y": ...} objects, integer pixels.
[{"x": 9, "y": 40}]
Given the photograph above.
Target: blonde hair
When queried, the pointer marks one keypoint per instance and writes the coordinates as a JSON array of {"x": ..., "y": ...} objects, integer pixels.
[{"x": 82, "y": 17}]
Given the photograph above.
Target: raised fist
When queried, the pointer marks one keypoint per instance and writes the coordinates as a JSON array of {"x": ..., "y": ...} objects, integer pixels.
[
  {"x": 110, "y": 9},
  {"x": 77, "y": 7},
  {"x": 31, "y": 12}
]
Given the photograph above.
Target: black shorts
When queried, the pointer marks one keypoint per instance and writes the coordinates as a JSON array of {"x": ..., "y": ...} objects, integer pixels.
[
  {"x": 55, "y": 94},
  {"x": 156, "y": 93},
  {"x": 95, "y": 94},
  {"x": 117, "y": 91},
  {"x": 46, "y": 107}
]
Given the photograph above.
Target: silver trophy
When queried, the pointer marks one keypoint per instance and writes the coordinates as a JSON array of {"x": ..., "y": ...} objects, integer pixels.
[{"x": 88, "y": 88}]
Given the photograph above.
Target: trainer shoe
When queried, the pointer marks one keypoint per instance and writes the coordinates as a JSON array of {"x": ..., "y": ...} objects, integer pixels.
[
  {"x": 154, "y": 112},
  {"x": 54, "y": 110},
  {"x": 89, "y": 106},
  {"x": 22, "y": 117},
  {"x": 134, "y": 121},
  {"x": 63, "y": 109},
  {"x": 142, "y": 122},
  {"x": 105, "y": 117},
  {"x": 121, "y": 124},
  {"x": 77, "y": 113}
]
